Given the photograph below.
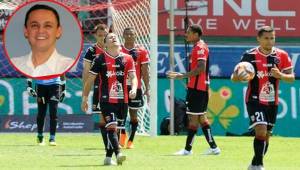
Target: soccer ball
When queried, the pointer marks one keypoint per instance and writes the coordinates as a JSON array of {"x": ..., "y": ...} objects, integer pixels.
[{"x": 245, "y": 71}]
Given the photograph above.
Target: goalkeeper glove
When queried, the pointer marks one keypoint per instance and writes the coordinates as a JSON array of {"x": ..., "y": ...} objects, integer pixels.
[{"x": 30, "y": 90}]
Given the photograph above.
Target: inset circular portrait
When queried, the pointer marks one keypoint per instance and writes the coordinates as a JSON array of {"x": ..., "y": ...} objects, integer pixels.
[{"x": 43, "y": 39}]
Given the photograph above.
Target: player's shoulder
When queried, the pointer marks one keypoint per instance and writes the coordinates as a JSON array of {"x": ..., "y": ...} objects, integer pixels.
[
  {"x": 200, "y": 45},
  {"x": 92, "y": 48},
  {"x": 251, "y": 51},
  {"x": 279, "y": 51}
]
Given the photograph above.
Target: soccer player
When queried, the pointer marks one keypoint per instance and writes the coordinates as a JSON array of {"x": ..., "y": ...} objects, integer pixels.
[
  {"x": 100, "y": 31},
  {"x": 42, "y": 29},
  {"x": 141, "y": 60},
  {"x": 197, "y": 92},
  {"x": 113, "y": 69},
  {"x": 271, "y": 64},
  {"x": 49, "y": 93}
]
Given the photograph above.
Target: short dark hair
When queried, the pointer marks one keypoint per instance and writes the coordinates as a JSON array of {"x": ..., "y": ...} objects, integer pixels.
[
  {"x": 128, "y": 28},
  {"x": 196, "y": 29},
  {"x": 100, "y": 27},
  {"x": 42, "y": 6},
  {"x": 264, "y": 29}
]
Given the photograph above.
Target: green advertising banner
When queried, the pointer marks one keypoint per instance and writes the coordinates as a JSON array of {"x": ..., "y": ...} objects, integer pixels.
[
  {"x": 227, "y": 111},
  {"x": 14, "y": 99}
]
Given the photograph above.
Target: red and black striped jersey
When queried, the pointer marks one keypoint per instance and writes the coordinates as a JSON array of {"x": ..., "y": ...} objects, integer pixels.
[
  {"x": 92, "y": 52},
  {"x": 263, "y": 88},
  {"x": 140, "y": 56},
  {"x": 113, "y": 72},
  {"x": 200, "y": 51}
]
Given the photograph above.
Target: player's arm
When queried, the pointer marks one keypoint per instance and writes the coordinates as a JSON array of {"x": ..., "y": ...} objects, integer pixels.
[
  {"x": 134, "y": 84},
  {"x": 86, "y": 90},
  {"x": 30, "y": 90},
  {"x": 85, "y": 72},
  {"x": 201, "y": 67},
  {"x": 146, "y": 78},
  {"x": 63, "y": 87},
  {"x": 95, "y": 69},
  {"x": 286, "y": 75}
]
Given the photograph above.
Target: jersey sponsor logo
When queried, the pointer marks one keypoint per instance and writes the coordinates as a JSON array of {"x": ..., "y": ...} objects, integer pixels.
[
  {"x": 115, "y": 65},
  {"x": 268, "y": 65},
  {"x": 262, "y": 74},
  {"x": 267, "y": 93},
  {"x": 116, "y": 91},
  {"x": 114, "y": 73},
  {"x": 276, "y": 61}
]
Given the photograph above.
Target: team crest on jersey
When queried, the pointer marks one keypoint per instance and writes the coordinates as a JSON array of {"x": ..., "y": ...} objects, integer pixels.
[
  {"x": 116, "y": 91},
  {"x": 267, "y": 93},
  {"x": 276, "y": 60}
]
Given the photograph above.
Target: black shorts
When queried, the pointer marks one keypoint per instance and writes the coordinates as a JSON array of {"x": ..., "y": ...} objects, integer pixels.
[
  {"x": 45, "y": 93},
  {"x": 138, "y": 101},
  {"x": 262, "y": 114},
  {"x": 114, "y": 113},
  {"x": 96, "y": 104},
  {"x": 196, "y": 102}
]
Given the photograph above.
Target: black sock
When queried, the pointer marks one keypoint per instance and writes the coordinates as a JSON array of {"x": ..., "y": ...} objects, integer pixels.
[
  {"x": 40, "y": 119},
  {"x": 267, "y": 146},
  {"x": 208, "y": 135},
  {"x": 134, "y": 126},
  {"x": 104, "y": 135},
  {"x": 53, "y": 106},
  {"x": 259, "y": 150},
  {"x": 112, "y": 141},
  {"x": 190, "y": 139}
]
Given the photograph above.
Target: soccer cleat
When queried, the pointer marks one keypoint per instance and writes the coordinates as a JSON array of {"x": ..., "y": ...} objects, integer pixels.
[
  {"x": 108, "y": 161},
  {"x": 183, "y": 152},
  {"x": 52, "y": 142},
  {"x": 40, "y": 141},
  {"x": 120, "y": 158},
  {"x": 252, "y": 167},
  {"x": 213, "y": 151},
  {"x": 130, "y": 145},
  {"x": 123, "y": 138},
  {"x": 260, "y": 167}
]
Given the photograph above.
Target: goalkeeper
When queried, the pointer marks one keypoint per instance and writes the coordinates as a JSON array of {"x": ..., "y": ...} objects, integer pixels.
[{"x": 49, "y": 93}]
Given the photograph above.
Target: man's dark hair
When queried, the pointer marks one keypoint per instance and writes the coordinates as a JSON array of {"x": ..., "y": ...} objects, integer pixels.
[
  {"x": 41, "y": 6},
  {"x": 128, "y": 29},
  {"x": 196, "y": 29},
  {"x": 100, "y": 27},
  {"x": 264, "y": 29}
]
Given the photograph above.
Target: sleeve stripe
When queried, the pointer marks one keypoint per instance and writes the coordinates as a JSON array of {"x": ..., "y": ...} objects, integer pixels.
[
  {"x": 145, "y": 62},
  {"x": 287, "y": 68},
  {"x": 93, "y": 72},
  {"x": 87, "y": 60},
  {"x": 131, "y": 70}
]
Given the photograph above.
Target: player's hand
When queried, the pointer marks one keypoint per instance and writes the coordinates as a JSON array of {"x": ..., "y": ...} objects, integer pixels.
[
  {"x": 31, "y": 92},
  {"x": 132, "y": 94},
  {"x": 174, "y": 75},
  {"x": 62, "y": 96},
  {"x": 84, "y": 105},
  {"x": 276, "y": 72}
]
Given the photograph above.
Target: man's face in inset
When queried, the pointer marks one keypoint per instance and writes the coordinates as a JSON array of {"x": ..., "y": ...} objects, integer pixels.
[{"x": 42, "y": 30}]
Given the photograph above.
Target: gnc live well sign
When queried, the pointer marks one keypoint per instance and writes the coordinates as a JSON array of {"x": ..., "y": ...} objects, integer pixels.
[{"x": 234, "y": 17}]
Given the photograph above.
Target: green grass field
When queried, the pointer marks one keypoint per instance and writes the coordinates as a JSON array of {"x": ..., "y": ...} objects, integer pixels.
[{"x": 85, "y": 151}]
